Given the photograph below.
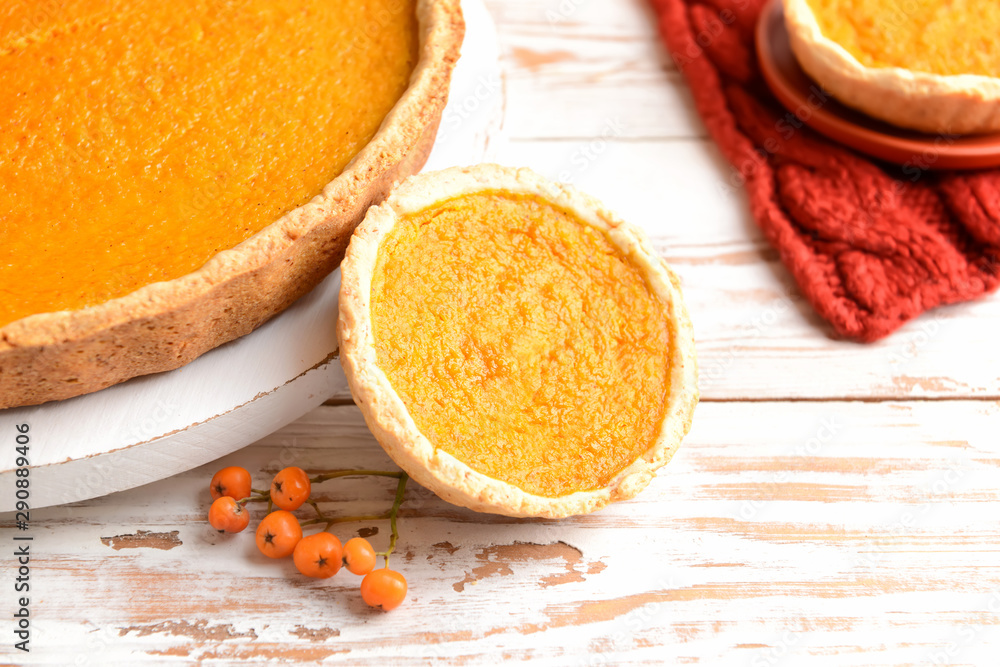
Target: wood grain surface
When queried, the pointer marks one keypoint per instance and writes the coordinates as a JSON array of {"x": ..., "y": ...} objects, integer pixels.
[
  {"x": 832, "y": 533},
  {"x": 835, "y": 504}
]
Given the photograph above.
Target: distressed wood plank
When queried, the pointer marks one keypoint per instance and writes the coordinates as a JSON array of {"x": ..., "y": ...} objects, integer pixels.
[
  {"x": 590, "y": 61},
  {"x": 847, "y": 533}
]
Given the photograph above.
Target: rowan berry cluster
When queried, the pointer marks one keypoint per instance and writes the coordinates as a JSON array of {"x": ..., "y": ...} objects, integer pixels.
[{"x": 320, "y": 555}]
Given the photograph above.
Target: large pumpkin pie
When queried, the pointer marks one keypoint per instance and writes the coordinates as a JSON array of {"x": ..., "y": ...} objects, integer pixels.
[
  {"x": 174, "y": 174},
  {"x": 514, "y": 346},
  {"x": 928, "y": 65}
]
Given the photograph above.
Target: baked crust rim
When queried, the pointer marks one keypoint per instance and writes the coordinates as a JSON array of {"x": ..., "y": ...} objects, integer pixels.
[
  {"x": 387, "y": 416},
  {"x": 164, "y": 325},
  {"x": 923, "y": 101}
]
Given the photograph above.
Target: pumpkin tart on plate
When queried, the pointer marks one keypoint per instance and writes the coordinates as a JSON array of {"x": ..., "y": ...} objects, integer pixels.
[
  {"x": 927, "y": 65},
  {"x": 172, "y": 175},
  {"x": 513, "y": 345}
]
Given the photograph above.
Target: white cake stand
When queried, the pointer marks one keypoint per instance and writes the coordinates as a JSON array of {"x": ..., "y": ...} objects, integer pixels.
[{"x": 156, "y": 426}]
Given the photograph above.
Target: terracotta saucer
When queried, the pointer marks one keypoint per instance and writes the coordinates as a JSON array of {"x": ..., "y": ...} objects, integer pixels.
[{"x": 807, "y": 100}]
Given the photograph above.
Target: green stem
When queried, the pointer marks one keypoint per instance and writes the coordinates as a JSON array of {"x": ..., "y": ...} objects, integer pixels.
[
  {"x": 252, "y": 499},
  {"x": 319, "y": 513},
  {"x": 333, "y": 474},
  {"x": 393, "y": 513},
  {"x": 343, "y": 519}
]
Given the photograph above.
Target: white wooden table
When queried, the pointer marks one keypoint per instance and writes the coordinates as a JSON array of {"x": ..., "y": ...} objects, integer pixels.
[{"x": 835, "y": 504}]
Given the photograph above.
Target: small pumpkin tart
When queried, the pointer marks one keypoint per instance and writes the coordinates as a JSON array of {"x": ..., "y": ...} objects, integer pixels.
[
  {"x": 928, "y": 65},
  {"x": 514, "y": 346}
]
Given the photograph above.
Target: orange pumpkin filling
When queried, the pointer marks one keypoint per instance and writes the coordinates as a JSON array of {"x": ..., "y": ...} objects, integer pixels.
[
  {"x": 936, "y": 36},
  {"x": 139, "y": 139},
  {"x": 521, "y": 341}
]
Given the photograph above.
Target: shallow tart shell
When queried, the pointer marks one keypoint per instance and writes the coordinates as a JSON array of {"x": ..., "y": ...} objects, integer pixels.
[
  {"x": 932, "y": 103},
  {"x": 384, "y": 410},
  {"x": 162, "y": 326}
]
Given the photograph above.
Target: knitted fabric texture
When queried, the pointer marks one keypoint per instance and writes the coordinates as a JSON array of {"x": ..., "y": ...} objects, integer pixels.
[{"x": 870, "y": 246}]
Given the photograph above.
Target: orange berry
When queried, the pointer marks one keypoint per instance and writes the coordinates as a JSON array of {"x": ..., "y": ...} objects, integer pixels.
[
  {"x": 291, "y": 488},
  {"x": 233, "y": 481},
  {"x": 383, "y": 588},
  {"x": 318, "y": 555},
  {"x": 359, "y": 557},
  {"x": 228, "y": 515},
  {"x": 278, "y": 534}
]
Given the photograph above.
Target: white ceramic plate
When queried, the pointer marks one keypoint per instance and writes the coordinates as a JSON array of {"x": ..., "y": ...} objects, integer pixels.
[{"x": 156, "y": 426}]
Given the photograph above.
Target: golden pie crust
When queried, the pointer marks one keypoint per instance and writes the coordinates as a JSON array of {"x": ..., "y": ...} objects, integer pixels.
[
  {"x": 387, "y": 415},
  {"x": 932, "y": 103},
  {"x": 162, "y": 326}
]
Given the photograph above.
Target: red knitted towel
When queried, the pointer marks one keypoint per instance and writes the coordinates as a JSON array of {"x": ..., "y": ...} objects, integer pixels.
[{"x": 870, "y": 247}]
